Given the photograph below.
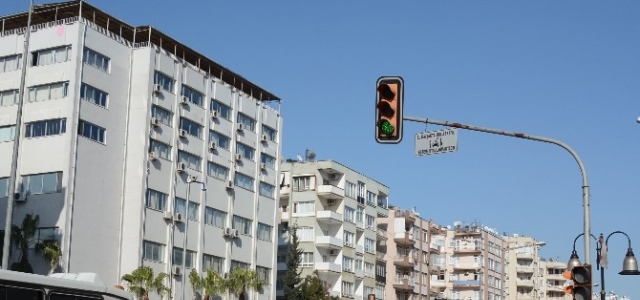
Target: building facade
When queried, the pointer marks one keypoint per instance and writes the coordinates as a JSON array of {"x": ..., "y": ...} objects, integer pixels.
[
  {"x": 335, "y": 210},
  {"x": 123, "y": 129}
]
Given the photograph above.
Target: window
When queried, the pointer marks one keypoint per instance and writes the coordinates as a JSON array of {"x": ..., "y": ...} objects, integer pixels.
[
  {"x": 4, "y": 187},
  {"x": 368, "y": 269},
  {"x": 214, "y": 217},
  {"x": 45, "y": 183},
  {"x": 191, "y": 161},
  {"x": 264, "y": 274},
  {"x": 180, "y": 206},
  {"x": 9, "y": 97},
  {"x": 164, "y": 81},
  {"x": 10, "y": 63},
  {"x": 266, "y": 189},
  {"x": 370, "y": 222},
  {"x": 96, "y": 59},
  {"x": 347, "y": 264},
  {"x": 156, "y": 200},
  {"x": 93, "y": 95},
  {"x": 192, "y": 128},
  {"x": 369, "y": 290},
  {"x": 221, "y": 141},
  {"x": 224, "y": 111},
  {"x": 164, "y": 116},
  {"x": 269, "y": 132},
  {"x": 48, "y": 91},
  {"x": 372, "y": 198},
  {"x": 242, "y": 225},
  {"x": 244, "y": 181},
  {"x": 46, "y": 127},
  {"x": 214, "y": 263},
  {"x": 349, "y": 239},
  {"x": 161, "y": 149},
  {"x": 153, "y": 251},
  {"x": 189, "y": 259},
  {"x": 301, "y": 183},
  {"x": 247, "y": 122},
  {"x": 347, "y": 289},
  {"x": 307, "y": 207},
  {"x": 192, "y": 95},
  {"x": 240, "y": 265},
  {"x": 192, "y": 212},
  {"x": 369, "y": 245},
  {"x": 91, "y": 131},
  {"x": 307, "y": 259},
  {"x": 268, "y": 160},
  {"x": 350, "y": 190},
  {"x": 51, "y": 56},
  {"x": 44, "y": 234},
  {"x": 360, "y": 215},
  {"x": 264, "y": 232},
  {"x": 349, "y": 214},
  {"x": 217, "y": 171},
  {"x": 246, "y": 151},
  {"x": 7, "y": 133},
  {"x": 305, "y": 234}
]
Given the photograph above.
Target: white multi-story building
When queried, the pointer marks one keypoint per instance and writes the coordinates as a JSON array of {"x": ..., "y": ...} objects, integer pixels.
[
  {"x": 117, "y": 121},
  {"x": 335, "y": 210}
]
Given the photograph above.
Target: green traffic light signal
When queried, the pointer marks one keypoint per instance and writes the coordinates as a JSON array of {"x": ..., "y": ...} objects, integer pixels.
[{"x": 386, "y": 127}]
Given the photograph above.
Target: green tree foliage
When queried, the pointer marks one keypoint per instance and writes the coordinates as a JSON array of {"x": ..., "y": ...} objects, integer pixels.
[
  {"x": 142, "y": 281},
  {"x": 292, "y": 280},
  {"x": 210, "y": 286},
  {"x": 23, "y": 238},
  {"x": 313, "y": 289},
  {"x": 241, "y": 281}
]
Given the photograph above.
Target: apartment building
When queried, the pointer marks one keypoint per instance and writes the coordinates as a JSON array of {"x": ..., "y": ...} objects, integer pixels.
[
  {"x": 414, "y": 249},
  {"x": 334, "y": 209},
  {"x": 553, "y": 281},
  {"x": 474, "y": 263},
  {"x": 525, "y": 273},
  {"x": 123, "y": 128}
]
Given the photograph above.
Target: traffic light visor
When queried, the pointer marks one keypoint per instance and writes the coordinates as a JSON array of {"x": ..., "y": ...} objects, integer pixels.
[{"x": 581, "y": 275}]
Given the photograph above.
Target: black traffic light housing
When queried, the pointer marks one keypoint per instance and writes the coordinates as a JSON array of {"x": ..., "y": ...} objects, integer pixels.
[
  {"x": 582, "y": 282},
  {"x": 389, "y": 104}
]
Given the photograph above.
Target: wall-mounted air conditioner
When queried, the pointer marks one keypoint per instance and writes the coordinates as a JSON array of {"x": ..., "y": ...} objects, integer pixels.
[
  {"x": 183, "y": 133},
  {"x": 153, "y": 155},
  {"x": 214, "y": 114},
  {"x": 157, "y": 88},
  {"x": 212, "y": 146},
  {"x": 181, "y": 167},
  {"x": 176, "y": 271},
  {"x": 178, "y": 218},
  {"x": 155, "y": 122}
]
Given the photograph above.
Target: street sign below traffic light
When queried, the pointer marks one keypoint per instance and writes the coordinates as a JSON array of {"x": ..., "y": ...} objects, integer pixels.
[
  {"x": 389, "y": 103},
  {"x": 582, "y": 282}
]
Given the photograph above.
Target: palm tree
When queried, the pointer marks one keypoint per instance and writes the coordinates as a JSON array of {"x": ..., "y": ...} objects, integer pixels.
[
  {"x": 23, "y": 238},
  {"x": 213, "y": 284},
  {"x": 242, "y": 279},
  {"x": 142, "y": 281},
  {"x": 50, "y": 250}
]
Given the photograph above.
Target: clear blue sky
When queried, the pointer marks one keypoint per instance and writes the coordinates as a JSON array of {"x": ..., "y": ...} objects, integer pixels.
[{"x": 568, "y": 70}]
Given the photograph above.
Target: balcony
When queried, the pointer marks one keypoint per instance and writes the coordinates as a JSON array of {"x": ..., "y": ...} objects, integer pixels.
[
  {"x": 435, "y": 248},
  {"x": 439, "y": 284},
  {"x": 524, "y": 283},
  {"x": 381, "y": 234},
  {"x": 524, "y": 255},
  {"x": 555, "y": 288},
  {"x": 328, "y": 267},
  {"x": 404, "y": 261},
  {"x": 435, "y": 267},
  {"x": 285, "y": 192},
  {"x": 360, "y": 249},
  {"x": 284, "y": 216},
  {"x": 403, "y": 284},
  {"x": 380, "y": 257},
  {"x": 467, "y": 249},
  {"x": 328, "y": 191},
  {"x": 359, "y": 273},
  {"x": 404, "y": 239},
  {"x": 525, "y": 269},
  {"x": 407, "y": 215},
  {"x": 466, "y": 283},
  {"x": 328, "y": 217},
  {"x": 359, "y": 225},
  {"x": 328, "y": 242},
  {"x": 467, "y": 266}
]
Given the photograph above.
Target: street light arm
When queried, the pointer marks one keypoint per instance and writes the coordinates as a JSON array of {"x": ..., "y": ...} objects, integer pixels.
[
  {"x": 628, "y": 239},
  {"x": 577, "y": 237}
]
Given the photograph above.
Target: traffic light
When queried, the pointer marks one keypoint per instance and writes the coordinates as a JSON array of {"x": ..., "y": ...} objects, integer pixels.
[
  {"x": 582, "y": 283},
  {"x": 568, "y": 289},
  {"x": 389, "y": 101}
]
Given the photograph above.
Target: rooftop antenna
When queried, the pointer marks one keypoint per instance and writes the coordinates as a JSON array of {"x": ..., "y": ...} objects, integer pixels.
[{"x": 310, "y": 155}]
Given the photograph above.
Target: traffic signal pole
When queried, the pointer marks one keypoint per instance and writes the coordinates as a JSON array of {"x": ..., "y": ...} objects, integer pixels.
[{"x": 583, "y": 170}]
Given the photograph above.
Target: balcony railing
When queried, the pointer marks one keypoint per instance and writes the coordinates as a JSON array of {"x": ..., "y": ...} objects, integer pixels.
[
  {"x": 328, "y": 242},
  {"x": 328, "y": 216},
  {"x": 466, "y": 283},
  {"x": 328, "y": 267},
  {"x": 403, "y": 283},
  {"x": 404, "y": 261},
  {"x": 381, "y": 234},
  {"x": 380, "y": 256},
  {"x": 330, "y": 191},
  {"x": 404, "y": 238}
]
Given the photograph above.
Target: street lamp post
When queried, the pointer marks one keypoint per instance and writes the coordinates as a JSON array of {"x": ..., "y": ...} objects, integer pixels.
[
  {"x": 629, "y": 265},
  {"x": 203, "y": 187}
]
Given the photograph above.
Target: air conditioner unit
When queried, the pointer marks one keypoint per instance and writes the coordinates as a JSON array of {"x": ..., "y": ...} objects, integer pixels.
[
  {"x": 153, "y": 155},
  {"x": 240, "y": 127},
  {"x": 214, "y": 114},
  {"x": 168, "y": 215},
  {"x": 155, "y": 122},
  {"x": 235, "y": 233},
  {"x": 157, "y": 88},
  {"x": 21, "y": 197},
  {"x": 229, "y": 184},
  {"x": 333, "y": 252},
  {"x": 238, "y": 156},
  {"x": 184, "y": 99},
  {"x": 264, "y": 138},
  {"x": 176, "y": 271},
  {"x": 181, "y": 167},
  {"x": 183, "y": 133},
  {"x": 177, "y": 218},
  {"x": 227, "y": 231},
  {"x": 212, "y": 146},
  {"x": 263, "y": 166}
]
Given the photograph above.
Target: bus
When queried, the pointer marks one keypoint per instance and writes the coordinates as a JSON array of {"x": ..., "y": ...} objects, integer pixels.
[{"x": 57, "y": 286}]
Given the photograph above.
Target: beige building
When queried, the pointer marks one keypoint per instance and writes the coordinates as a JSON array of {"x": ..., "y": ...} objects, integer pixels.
[
  {"x": 553, "y": 281},
  {"x": 335, "y": 210}
]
